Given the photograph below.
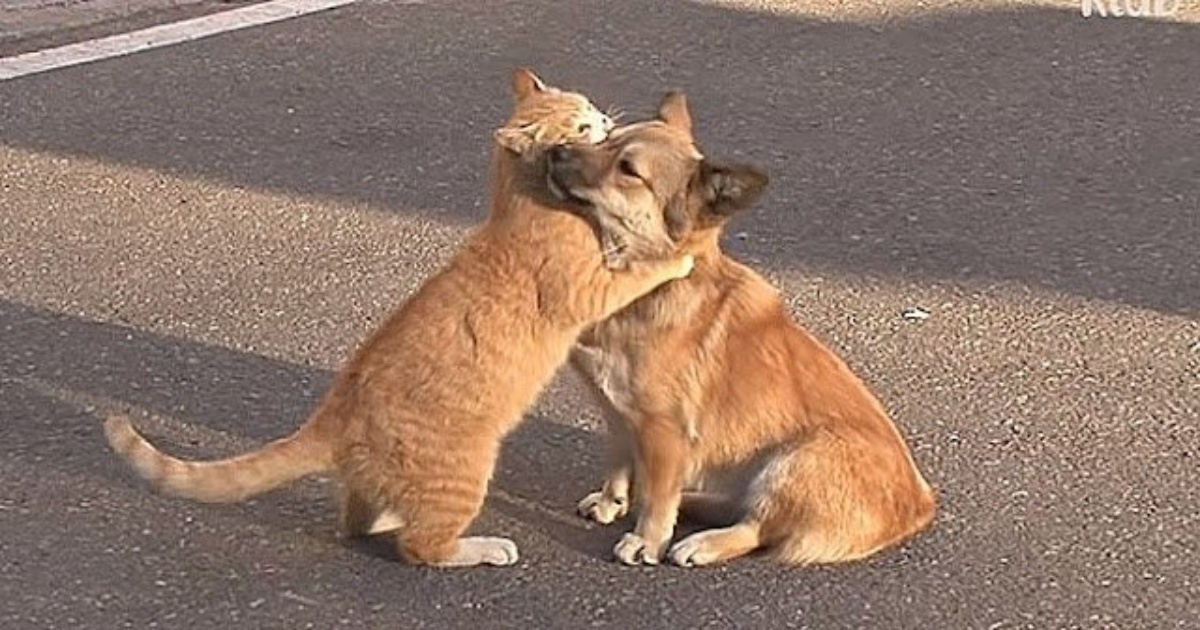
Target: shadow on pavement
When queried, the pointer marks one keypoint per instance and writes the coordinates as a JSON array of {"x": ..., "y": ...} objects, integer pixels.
[
  {"x": 1027, "y": 145},
  {"x": 212, "y": 563},
  {"x": 249, "y": 399}
]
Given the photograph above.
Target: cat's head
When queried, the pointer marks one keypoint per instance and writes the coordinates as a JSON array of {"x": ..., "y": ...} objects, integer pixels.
[{"x": 545, "y": 116}]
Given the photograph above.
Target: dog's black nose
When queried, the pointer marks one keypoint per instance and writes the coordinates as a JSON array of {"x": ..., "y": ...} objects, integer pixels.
[{"x": 559, "y": 153}]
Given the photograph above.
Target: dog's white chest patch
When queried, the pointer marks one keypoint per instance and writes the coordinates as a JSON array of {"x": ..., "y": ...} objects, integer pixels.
[{"x": 612, "y": 373}]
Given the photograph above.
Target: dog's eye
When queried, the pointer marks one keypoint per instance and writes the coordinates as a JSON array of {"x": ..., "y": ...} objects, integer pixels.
[
  {"x": 583, "y": 127},
  {"x": 626, "y": 168}
]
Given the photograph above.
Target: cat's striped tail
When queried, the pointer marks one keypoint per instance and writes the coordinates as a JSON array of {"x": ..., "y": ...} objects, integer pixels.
[{"x": 226, "y": 480}]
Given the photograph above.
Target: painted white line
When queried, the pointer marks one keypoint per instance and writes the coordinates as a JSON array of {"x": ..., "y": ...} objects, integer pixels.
[{"x": 159, "y": 36}]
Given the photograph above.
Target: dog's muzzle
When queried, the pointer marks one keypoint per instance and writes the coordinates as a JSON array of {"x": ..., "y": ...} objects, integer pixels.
[{"x": 560, "y": 164}]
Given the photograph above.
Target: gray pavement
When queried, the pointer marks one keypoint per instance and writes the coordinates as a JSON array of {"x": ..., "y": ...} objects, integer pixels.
[
  {"x": 202, "y": 233},
  {"x": 27, "y": 25}
]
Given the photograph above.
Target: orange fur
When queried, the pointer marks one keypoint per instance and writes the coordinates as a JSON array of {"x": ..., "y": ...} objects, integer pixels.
[
  {"x": 711, "y": 386},
  {"x": 413, "y": 423}
]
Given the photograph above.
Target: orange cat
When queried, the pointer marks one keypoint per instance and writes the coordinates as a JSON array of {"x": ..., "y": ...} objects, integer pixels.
[{"x": 413, "y": 424}]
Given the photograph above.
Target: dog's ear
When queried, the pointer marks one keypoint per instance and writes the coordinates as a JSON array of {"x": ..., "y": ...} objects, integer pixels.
[
  {"x": 673, "y": 110},
  {"x": 525, "y": 83},
  {"x": 515, "y": 139},
  {"x": 729, "y": 189}
]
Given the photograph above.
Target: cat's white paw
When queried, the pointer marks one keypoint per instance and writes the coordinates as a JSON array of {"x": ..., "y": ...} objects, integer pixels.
[{"x": 477, "y": 550}]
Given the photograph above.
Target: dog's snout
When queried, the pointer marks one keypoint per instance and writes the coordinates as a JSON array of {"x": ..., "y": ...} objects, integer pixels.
[
  {"x": 559, "y": 154},
  {"x": 562, "y": 172}
]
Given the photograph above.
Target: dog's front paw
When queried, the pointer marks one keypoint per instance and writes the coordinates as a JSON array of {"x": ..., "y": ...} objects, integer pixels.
[
  {"x": 696, "y": 550},
  {"x": 634, "y": 550},
  {"x": 603, "y": 509}
]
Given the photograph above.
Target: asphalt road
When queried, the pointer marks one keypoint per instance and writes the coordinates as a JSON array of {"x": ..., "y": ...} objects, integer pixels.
[
  {"x": 27, "y": 25},
  {"x": 202, "y": 233}
]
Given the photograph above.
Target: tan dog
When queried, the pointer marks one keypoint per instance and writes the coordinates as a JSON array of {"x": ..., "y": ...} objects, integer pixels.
[
  {"x": 714, "y": 390},
  {"x": 413, "y": 424}
]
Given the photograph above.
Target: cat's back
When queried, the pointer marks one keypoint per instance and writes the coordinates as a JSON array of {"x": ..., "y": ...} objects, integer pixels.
[{"x": 471, "y": 337}]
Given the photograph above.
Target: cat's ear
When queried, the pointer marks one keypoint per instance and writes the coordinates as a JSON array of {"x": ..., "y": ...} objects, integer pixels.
[
  {"x": 673, "y": 110},
  {"x": 525, "y": 84},
  {"x": 514, "y": 139},
  {"x": 730, "y": 189}
]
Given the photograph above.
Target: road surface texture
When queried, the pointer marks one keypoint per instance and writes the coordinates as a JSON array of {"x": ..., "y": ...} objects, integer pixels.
[
  {"x": 27, "y": 25},
  {"x": 201, "y": 234}
]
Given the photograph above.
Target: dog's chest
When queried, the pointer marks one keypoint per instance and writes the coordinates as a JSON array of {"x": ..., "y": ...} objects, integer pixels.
[
  {"x": 623, "y": 357},
  {"x": 612, "y": 373}
]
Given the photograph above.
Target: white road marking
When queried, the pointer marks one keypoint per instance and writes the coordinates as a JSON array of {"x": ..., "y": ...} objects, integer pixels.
[{"x": 159, "y": 36}]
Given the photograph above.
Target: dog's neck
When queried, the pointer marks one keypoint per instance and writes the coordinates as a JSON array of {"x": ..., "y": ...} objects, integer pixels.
[{"x": 704, "y": 245}]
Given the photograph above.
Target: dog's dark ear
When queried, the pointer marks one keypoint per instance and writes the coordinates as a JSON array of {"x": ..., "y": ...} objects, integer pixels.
[
  {"x": 673, "y": 110},
  {"x": 729, "y": 189},
  {"x": 525, "y": 83}
]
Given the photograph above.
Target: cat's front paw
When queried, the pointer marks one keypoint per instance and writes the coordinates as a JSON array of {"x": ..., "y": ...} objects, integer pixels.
[{"x": 686, "y": 264}]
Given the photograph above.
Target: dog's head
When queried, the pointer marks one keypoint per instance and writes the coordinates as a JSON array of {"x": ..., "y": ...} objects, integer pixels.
[
  {"x": 546, "y": 116},
  {"x": 653, "y": 172}
]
